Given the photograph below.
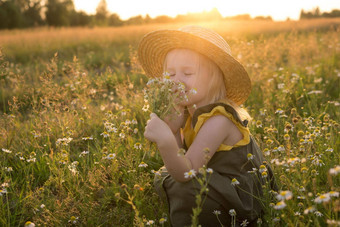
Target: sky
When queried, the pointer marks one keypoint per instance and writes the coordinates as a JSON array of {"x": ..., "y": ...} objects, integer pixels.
[{"x": 278, "y": 10}]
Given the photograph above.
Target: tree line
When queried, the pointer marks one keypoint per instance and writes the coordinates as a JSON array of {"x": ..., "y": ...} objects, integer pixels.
[
  {"x": 33, "y": 13},
  {"x": 316, "y": 13}
]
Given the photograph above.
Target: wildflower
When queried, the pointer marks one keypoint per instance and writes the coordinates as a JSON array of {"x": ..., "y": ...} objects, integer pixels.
[
  {"x": 302, "y": 189},
  {"x": 234, "y": 182},
  {"x": 122, "y": 135},
  {"x": 288, "y": 127},
  {"x": 150, "y": 222},
  {"x": 6, "y": 150},
  {"x": 277, "y": 219},
  {"x": 5, "y": 185},
  {"x": 258, "y": 124},
  {"x": 286, "y": 137},
  {"x": 157, "y": 173},
  {"x": 259, "y": 221},
  {"x": 329, "y": 149},
  {"x": 266, "y": 151},
  {"x": 64, "y": 141},
  {"x": 318, "y": 213},
  {"x": 297, "y": 213},
  {"x": 29, "y": 224},
  {"x": 333, "y": 194},
  {"x": 304, "y": 169},
  {"x": 216, "y": 212},
  {"x": 269, "y": 142},
  {"x": 9, "y": 169},
  {"x": 42, "y": 206},
  {"x": 250, "y": 156},
  {"x": 334, "y": 171},
  {"x": 135, "y": 131},
  {"x": 232, "y": 212},
  {"x": 284, "y": 195},
  {"x": 73, "y": 220},
  {"x": 280, "y": 205},
  {"x": 3, "y": 191},
  {"x": 143, "y": 164},
  {"x": 190, "y": 174},
  {"x": 84, "y": 153},
  {"x": 193, "y": 91},
  {"x": 87, "y": 138},
  {"x": 252, "y": 171},
  {"x": 333, "y": 222},
  {"x": 292, "y": 161},
  {"x": 300, "y": 133},
  {"x": 137, "y": 146},
  {"x": 279, "y": 111},
  {"x": 105, "y": 134},
  {"x": 322, "y": 198},
  {"x": 181, "y": 152},
  {"x": 111, "y": 156},
  {"x": 262, "y": 168},
  {"x": 281, "y": 148},
  {"x": 138, "y": 187},
  {"x": 264, "y": 174},
  {"x": 73, "y": 167},
  {"x": 162, "y": 220},
  {"x": 244, "y": 223},
  {"x": 146, "y": 107},
  {"x": 209, "y": 170}
]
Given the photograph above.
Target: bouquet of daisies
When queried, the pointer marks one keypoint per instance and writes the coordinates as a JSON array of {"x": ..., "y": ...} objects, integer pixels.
[{"x": 162, "y": 95}]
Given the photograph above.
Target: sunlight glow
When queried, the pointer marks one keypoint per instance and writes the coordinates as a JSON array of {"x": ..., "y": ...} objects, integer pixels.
[{"x": 278, "y": 10}]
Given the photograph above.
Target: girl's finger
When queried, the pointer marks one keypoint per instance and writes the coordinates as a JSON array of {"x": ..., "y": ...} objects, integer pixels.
[{"x": 153, "y": 115}]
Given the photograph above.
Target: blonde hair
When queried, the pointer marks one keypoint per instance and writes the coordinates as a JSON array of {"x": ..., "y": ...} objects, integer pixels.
[{"x": 216, "y": 91}]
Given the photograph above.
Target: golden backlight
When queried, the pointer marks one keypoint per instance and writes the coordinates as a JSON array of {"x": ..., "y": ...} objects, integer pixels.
[{"x": 278, "y": 10}]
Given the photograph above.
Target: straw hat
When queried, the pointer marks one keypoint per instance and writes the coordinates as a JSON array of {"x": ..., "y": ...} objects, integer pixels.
[{"x": 155, "y": 45}]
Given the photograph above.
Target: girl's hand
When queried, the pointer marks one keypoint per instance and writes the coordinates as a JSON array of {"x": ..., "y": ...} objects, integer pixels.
[
  {"x": 156, "y": 130},
  {"x": 175, "y": 120}
]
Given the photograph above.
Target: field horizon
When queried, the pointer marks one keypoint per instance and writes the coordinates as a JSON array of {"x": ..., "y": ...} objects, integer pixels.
[{"x": 72, "y": 118}]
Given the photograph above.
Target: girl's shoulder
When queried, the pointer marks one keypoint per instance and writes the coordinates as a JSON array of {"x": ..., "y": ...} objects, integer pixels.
[
  {"x": 204, "y": 113},
  {"x": 219, "y": 113}
]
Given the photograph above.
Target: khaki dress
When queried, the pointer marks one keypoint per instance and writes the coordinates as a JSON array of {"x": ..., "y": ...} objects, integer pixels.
[{"x": 227, "y": 163}]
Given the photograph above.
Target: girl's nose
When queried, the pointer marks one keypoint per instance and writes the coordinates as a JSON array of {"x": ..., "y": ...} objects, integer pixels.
[{"x": 177, "y": 78}]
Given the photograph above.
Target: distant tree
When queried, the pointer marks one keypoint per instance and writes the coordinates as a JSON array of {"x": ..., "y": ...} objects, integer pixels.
[
  {"x": 315, "y": 13},
  {"x": 114, "y": 20},
  {"x": 59, "y": 12},
  {"x": 268, "y": 18},
  {"x": 32, "y": 13},
  {"x": 240, "y": 17},
  {"x": 333, "y": 13},
  {"x": 135, "y": 20},
  {"x": 102, "y": 13},
  {"x": 162, "y": 19},
  {"x": 147, "y": 19},
  {"x": 10, "y": 15},
  {"x": 79, "y": 18}
]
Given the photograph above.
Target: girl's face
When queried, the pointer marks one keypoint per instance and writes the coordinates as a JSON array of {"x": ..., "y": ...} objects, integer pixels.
[{"x": 184, "y": 66}]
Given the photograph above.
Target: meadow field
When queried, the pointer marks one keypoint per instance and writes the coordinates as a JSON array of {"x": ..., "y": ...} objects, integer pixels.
[{"x": 72, "y": 150}]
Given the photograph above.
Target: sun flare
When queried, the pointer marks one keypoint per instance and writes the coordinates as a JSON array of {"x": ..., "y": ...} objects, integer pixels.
[{"x": 276, "y": 9}]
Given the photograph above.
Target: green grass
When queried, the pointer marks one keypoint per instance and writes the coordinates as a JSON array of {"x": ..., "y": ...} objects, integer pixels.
[{"x": 45, "y": 98}]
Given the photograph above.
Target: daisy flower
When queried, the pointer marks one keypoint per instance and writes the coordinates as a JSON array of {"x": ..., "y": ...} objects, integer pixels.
[{"x": 190, "y": 174}]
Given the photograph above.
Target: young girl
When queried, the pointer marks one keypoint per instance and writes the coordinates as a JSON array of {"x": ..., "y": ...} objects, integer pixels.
[{"x": 212, "y": 128}]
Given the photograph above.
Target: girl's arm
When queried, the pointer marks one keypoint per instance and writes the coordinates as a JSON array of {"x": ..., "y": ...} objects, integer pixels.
[{"x": 213, "y": 133}]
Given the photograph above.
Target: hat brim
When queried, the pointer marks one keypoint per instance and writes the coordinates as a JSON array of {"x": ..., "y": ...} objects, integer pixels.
[{"x": 154, "y": 47}]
